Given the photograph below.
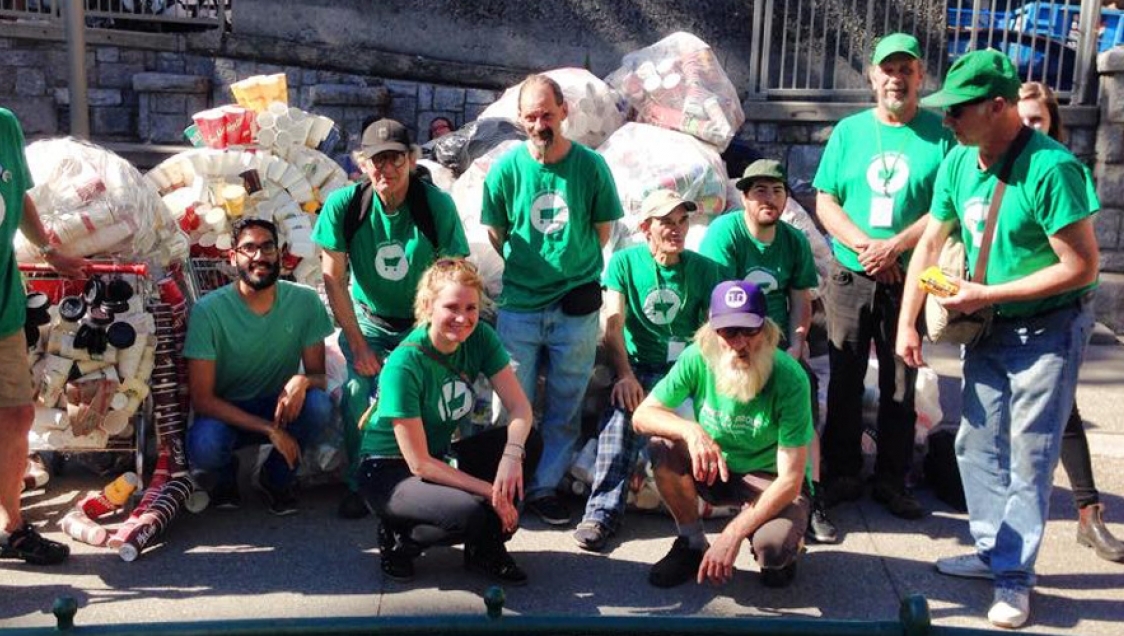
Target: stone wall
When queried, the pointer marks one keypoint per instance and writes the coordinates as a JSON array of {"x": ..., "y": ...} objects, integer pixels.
[{"x": 1110, "y": 187}]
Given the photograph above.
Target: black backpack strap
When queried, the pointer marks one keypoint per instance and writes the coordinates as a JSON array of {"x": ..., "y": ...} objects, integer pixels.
[
  {"x": 418, "y": 200},
  {"x": 357, "y": 209}
]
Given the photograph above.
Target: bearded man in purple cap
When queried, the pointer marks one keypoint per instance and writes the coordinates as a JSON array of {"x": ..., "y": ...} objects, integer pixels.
[{"x": 747, "y": 447}]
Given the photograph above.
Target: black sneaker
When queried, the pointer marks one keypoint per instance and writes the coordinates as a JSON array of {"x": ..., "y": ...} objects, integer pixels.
[
  {"x": 225, "y": 496},
  {"x": 779, "y": 577},
  {"x": 898, "y": 500},
  {"x": 820, "y": 527},
  {"x": 679, "y": 566},
  {"x": 551, "y": 510},
  {"x": 27, "y": 544},
  {"x": 397, "y": 562},
  {"x": 494, "y": 562},
  {"x": 281, "y": 501},
  {"x": 352, "y": 506}
]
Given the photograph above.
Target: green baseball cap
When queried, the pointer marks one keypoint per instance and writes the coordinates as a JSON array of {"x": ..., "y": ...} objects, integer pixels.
[
  {"x": 896, "y": 43},
  {"x": 976, "y": 75},
  {"x": 762, "y": 169}
]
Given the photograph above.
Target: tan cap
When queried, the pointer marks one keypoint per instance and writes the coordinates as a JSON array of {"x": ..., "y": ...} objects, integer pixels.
[{"x": 660, "y": 203}]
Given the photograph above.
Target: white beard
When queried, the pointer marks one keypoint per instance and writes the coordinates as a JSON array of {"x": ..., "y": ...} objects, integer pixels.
[{"x": 734, "y": 378}]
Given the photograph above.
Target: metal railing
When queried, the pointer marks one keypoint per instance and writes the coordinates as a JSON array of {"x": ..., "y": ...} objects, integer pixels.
[
  {"x": 820, "y": 49},
  {"x": 128, "y": 15}
]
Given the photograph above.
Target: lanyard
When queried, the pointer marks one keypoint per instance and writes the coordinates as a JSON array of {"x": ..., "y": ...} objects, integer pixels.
[{"x": 888, "y": 170}]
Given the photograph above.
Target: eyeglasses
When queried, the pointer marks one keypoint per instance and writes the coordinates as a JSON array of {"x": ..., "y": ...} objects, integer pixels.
[
  {"x": 729, "y": 333},
  {"x": 390, "y": 157},
  {"x": 955, "y": 111},
  {"x": 250, "y": 250}
]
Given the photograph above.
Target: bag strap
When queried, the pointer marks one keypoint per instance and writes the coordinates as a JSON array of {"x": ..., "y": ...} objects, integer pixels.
[
  {"x": 416, "y": 198},
  {"x": 358, "y": 207},
  {"x": 441, "y": 361},
  {"x": 980, "y": 271}
]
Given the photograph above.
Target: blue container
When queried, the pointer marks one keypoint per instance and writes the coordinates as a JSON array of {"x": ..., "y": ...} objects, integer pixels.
[{"x": 1113, "y": 34}]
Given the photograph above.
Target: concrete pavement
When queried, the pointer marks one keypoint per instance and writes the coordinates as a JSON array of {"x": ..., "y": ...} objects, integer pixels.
[{"x": 248, "y": 564}]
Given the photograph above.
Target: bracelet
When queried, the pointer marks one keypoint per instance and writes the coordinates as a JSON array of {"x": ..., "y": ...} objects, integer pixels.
[
  {"x": 519, "y": 446},
  {"x": 517, "y": 458}
]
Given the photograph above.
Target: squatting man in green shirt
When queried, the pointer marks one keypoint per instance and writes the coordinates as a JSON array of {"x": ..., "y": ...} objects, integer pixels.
[
  {"x": 748, "y": 446},
  {"x": 246, "y": 344}
]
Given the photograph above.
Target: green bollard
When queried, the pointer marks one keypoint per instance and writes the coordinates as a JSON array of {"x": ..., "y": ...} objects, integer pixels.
[
  {"x": 493, "y": 600},
  {"x": 914, "y": 615},
  {"x": 64, "y": 609}
]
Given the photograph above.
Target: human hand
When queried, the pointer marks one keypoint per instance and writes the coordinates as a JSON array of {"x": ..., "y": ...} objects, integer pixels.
[
  {"x": 65, "y": 264},
  {"x": 509, "y": 516},
  {"x": 284, "y": 443},
  {"x": 707, "y": 463},
  {"x": 291, "y": 400},
  {"x": 718, "y": 562},
  {"x": 969, "y": 298},
  {"x": 508, "y": 483},
  {"x": 878, "y": 255},
  {"x": 890, "y": 276},
  {"x": 627, "y": 393},
  {"x": 908, "y": 346},
  {"x": 365, "y": 360}
]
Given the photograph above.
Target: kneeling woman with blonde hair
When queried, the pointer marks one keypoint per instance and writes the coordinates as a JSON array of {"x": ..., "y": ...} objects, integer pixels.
[{"x": 425, "y": 391}]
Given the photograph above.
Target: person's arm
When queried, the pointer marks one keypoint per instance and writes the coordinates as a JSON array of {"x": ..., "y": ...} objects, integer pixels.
[
  {"x": 497, "y": 236},
  {"x": 654, "y": 419},
  {"x": 49, "y": 247},
  {"x": 1078, "y": 262},
  {"x": 333, "y": 264},
  {"x": 508, "y": 483},
  {"x": 838, "y": 223},
  {"x": 718, "y": 562},
  {"x": 604, "y": 232},
  {"x": 627, "y": 392},
  {"x": 799, "y": 321},
  {"x": 925, "y": 254},
  {"x": 291, "y": 400},
  {"x": 201, "y": 382}
]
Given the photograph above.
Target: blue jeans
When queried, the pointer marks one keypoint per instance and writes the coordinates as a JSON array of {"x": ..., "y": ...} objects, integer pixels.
[
  {"x": 570, "y": 346},
  {"x": 211, "y": 443},
  {"x": 617, "y": 447},
  {"x": 1019, "y": 386}
]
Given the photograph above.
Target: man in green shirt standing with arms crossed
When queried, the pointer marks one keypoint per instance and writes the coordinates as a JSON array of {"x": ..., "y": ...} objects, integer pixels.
[
  {"x": 875, "y": 182},
  {"x": 548, "y": 206}
]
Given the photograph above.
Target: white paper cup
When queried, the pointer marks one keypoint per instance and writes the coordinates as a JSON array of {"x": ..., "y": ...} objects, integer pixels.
[{"x": 223, "y": 242}]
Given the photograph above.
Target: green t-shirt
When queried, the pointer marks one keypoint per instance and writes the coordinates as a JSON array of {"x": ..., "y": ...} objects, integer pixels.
[
  {"x": 550, "y": 213},
  {"x": 389, "y": 253},
  {"x": 777, "y": 268},
  {"x": 414, "y": 385},
  {"x": 1046, "y": 192},
  {"x": 15, "y": 182},
  {"x": 882, "y": 175},
  {"x": 748, "y": 433},
  {"x": 255, "y": 355},
  {"x": 662, "y": 303}
]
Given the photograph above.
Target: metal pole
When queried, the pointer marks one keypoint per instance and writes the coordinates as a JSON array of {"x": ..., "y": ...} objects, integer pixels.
[{"x": 74, "y": 15}]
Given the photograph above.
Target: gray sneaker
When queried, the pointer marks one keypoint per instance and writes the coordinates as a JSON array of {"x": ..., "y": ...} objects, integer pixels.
[
  {"x": 969, "y": 566},
  {"x": 1010, "y": 608}
]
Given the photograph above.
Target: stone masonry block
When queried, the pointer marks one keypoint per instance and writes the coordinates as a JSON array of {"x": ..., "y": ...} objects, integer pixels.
[
  {"x": 472, "y": 112},
  {"x": 803, "y": 160},
  {"x": 108, "y": 54},
  {"x": 170, "y": 62},
  {"x": 111, "y": 121},
  {"x": 1110, "y": 185},
  {"x": 425, "y": 96},
  {"x": 5, "y": 43},
  {"x": 345, "y": 95},
  {"x": 30, "y": 82},
  {"x": 748, "y": 132},
  {"x": 195, "y": 103},
  {"x": 94, "y": 96},
  {"x": 169, "y": 104},
  {"x": 447, "y": 98},
  {"x": 1111, "y": 62},
  {"x": 37, "y": 115},
  {"x": 167, "y": 129},
  {"x": 405, "y": 110},
  {"x": 1110, "y": 144},
  {"x": 170, "y": 83},
  {"x": 131, "y": 56},
  {"x": 399, "y": 88},
  {"x": 1112, "y": 99},
  {"x": 479, "y": 96},
  {"x": 820, "y": 134},
  {"x": 793, "y": 133},
  {"x": 767, "y": 133},
  {"x": 117, "y": 75},
  {"x": 1107, "y": 225}
]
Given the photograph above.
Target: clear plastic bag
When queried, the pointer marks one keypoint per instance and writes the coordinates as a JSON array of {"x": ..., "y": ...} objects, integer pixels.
[
  {"x": 595, "y": 110},
  {"x": 644, "y": 158},
  {"x": 677, "y": 83},
  {"x": 98, "y": 204}
]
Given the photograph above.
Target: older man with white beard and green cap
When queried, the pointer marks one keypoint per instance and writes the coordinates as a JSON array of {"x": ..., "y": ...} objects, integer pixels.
[{"x": 875, "y": 182}]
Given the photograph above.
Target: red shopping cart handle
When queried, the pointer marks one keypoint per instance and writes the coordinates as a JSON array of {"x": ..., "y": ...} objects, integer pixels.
[{"x": 139, "y": 269}]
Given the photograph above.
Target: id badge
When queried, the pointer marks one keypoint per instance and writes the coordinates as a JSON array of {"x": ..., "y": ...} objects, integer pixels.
[
  {"x": 674, "y": 348},
  {"x": 881, "y": 211}
]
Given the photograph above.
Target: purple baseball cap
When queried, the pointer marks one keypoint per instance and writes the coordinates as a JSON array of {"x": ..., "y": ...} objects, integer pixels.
[{"x": 737, "y": 303}]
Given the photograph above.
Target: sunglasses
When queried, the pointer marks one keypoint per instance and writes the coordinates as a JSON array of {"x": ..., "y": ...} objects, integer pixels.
[
  {"x": 954, "y": 112},
  {"x": 729, "y": 333},
  {"x": 391, "y": 157}
]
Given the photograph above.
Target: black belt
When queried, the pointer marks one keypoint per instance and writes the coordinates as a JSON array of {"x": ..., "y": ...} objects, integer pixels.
[
  {"x": 389, "y": 323},
  {"x": 1076, "y": 303}
]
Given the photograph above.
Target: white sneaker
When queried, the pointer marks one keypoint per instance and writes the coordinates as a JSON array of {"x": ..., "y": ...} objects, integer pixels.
[
  {"x": 966, "y": 565},
  {"x": 1010, "y": 608}
]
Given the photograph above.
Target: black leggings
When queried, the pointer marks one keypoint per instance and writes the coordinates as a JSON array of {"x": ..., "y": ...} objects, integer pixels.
[
  {"x": 1077, "y": 463},
  {"x": 432, "y": 514}
]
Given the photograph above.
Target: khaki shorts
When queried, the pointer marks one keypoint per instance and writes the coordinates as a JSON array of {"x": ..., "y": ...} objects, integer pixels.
[{"x": 15, "y": 373}]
